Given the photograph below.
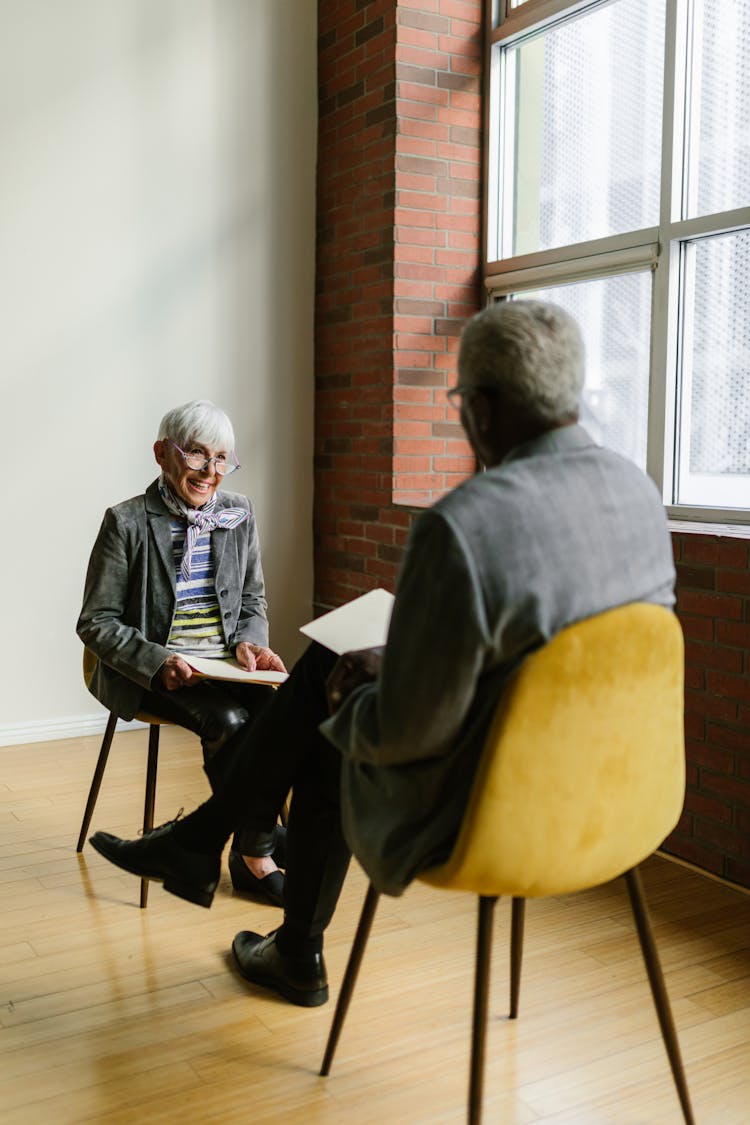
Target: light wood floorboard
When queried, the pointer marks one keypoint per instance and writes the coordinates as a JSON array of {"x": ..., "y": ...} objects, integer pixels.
[{"x": 113, "y": 1014}]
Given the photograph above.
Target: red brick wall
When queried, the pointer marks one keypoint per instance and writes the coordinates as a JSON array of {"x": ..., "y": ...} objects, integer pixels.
[
  {"x": 357, "y": 537},
  {"x": 436, "y": 250},
  {"x": 397, "y": 270},
  {"x": 713, "y": 603}
]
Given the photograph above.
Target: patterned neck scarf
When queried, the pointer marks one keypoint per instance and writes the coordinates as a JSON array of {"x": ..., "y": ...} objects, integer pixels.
[{"x": 198, "y": 520}]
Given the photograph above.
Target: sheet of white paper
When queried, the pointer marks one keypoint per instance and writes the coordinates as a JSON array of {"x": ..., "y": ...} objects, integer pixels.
[
  {"x": 362, "y": 623},
  {"x": 230, "y": 670}
]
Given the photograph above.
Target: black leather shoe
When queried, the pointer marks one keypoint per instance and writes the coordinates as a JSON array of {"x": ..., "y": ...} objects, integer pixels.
[
  {"x": 301, "y": 980},
  {"x": 270, "y": 887},
  {"x": 156, "y": 855}
]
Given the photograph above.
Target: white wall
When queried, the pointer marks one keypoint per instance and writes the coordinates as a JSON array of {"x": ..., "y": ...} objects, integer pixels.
[{"x": 157, "y": 164}]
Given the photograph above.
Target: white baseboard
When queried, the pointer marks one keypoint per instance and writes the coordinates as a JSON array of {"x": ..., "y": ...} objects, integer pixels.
[{"x": 69, "y": 726}]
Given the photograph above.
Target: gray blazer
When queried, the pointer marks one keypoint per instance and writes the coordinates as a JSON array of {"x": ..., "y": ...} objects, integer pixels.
[
  {"x": 129, "y": 594},
  {"x": 561, "y": 530}
]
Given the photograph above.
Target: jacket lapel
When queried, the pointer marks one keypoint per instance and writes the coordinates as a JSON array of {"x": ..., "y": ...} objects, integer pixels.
[
  {"x": 225, "y": 565},
  {"x": 161, "y": 532}
]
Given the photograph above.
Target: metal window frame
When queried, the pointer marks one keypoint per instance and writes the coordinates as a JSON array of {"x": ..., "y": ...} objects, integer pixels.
[{"x": 659, "y": 249}]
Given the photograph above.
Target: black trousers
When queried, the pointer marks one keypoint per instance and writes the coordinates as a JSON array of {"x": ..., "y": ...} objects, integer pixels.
[
  {"x": 283, "y": 749},
  {"x": 216, "y": 710}
]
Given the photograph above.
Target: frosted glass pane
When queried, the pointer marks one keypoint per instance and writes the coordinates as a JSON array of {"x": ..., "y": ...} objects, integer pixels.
[
  {"x": 719, "y": 108},
  {"x": 582, "y": 127},
  {"x": 714, "y": 463},
  {"x": 614, "y": 315}
]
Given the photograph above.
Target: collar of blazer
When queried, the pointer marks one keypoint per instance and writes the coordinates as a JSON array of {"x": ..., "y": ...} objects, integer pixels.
[{"x": 158, "y": 517}]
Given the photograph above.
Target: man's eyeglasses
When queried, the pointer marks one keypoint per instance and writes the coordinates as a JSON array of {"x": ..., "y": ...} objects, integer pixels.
[
  {"x": 454, "y": 394},
  {"x": 198, "y": 462}
]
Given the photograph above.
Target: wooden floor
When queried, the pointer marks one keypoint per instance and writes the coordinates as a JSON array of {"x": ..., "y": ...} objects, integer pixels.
[{"x": 113, "y": 1014}]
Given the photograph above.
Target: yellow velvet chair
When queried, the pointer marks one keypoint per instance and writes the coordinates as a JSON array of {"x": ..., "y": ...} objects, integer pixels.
[
  {"x": 154, "y": 723},
  {"x": 582, "y": 777}
]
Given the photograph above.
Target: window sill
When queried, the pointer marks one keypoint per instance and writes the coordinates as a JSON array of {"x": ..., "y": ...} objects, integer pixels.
[{"x": 720, "y": 530}]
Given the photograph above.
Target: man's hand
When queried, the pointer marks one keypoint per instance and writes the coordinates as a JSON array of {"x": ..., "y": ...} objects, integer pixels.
[
  {"x": 176, "y": 673},
  {"x": 257, "y": 658},
  {"x": 350, "y": 670}
]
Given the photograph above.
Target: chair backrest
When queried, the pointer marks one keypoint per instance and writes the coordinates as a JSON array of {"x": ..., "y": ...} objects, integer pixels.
[
  {"x": 583, "y": 772},
  {"x": 89, "y": 664}
]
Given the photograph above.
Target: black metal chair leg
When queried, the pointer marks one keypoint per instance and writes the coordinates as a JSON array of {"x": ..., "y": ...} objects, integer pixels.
[
  {"x": 658, "y": 989},
  {"x": 481, "y": 995},
  {"x": 96, "y": 781},
  {"x": 148, "y": 807},
  {"x": 516, "y": 952},
  {"x": 350, "y": 976}
]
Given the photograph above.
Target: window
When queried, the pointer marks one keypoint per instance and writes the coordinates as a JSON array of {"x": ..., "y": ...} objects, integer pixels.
[{"x": 619, "y": 186}]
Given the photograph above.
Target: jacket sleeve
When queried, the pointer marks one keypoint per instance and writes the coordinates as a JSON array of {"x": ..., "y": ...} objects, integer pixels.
[
  {"x": 435, "y": 653},
  {"x": 113, "y": 601},
  {"x": 252, "y": 624}
]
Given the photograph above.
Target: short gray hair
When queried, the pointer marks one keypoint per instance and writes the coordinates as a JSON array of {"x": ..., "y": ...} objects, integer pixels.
[
  {"x": 199, "y": 420},
  {"x": 531, "y": 352}
]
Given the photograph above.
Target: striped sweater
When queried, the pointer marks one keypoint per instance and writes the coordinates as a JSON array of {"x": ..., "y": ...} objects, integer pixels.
[{"x": 196, "y": 628}]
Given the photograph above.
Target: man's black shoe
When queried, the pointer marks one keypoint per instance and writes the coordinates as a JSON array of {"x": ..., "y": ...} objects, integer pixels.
[
  {"x": 156, "y": 855},
  {"x": 302, "y": 980},
  {"x": 270, "y": 887}
]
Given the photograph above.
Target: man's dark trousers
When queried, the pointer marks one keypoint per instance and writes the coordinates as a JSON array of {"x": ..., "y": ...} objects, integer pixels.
[{"x": 283, "y": 749}]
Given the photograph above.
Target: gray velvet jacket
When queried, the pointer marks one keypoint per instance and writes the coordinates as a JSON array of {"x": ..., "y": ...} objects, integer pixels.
[
  {"x": 561, "y": 530},
  {"x": 129, "y": 595}
]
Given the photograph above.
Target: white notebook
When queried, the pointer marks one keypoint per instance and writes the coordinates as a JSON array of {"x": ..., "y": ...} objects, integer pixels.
[
  {"x": 362, "y": 623},
  {"x": 231, "y": 670}
]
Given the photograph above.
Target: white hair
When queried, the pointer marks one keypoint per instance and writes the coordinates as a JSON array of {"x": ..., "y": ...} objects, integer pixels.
[
  {"x": 531, "y": 352},
  {"x": 201, "y": 421}
]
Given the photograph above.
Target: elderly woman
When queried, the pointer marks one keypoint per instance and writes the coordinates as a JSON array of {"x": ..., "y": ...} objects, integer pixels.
[{"x": 176, "y": 573}]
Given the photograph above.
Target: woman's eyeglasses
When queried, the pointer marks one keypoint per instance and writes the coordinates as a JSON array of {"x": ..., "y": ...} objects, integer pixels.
[{"x": 198, "y": 462}]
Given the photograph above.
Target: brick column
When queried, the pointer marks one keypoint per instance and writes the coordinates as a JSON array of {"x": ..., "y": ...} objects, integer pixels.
[
  {"x": 437, "y": 235},
  {"x": 397, "y": 271},
  {"x": 713, "y": 603}
]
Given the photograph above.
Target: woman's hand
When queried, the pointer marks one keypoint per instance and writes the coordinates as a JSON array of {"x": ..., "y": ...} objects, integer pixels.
[
  {"x": 176, "y": 673},
  {"x": 350, "y": 670},
  {"x": 258, "y": 658}
]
